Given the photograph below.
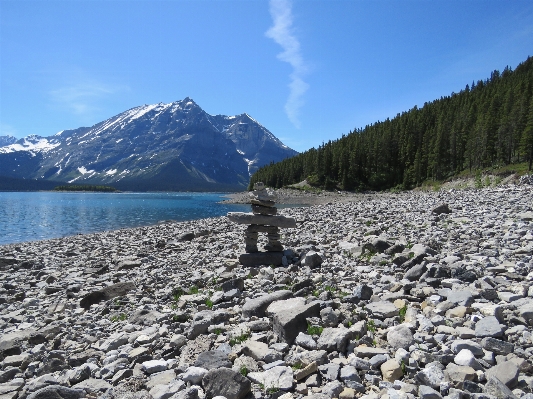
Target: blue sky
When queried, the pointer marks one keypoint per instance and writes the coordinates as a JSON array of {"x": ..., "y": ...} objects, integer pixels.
[{"x": 307, "y": 70}]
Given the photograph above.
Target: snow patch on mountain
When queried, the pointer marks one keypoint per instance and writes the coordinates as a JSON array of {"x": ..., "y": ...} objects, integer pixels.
[
  {"x": 84, "y": 171},
  {"x": 32, "y": 144}
]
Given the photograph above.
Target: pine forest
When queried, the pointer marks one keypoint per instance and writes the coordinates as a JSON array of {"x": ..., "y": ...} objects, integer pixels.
[{"x": 488, "y": 124}]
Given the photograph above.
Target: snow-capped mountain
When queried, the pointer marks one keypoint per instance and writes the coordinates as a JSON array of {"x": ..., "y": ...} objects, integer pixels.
[
  {"x": 6, "y": 140},
  {"x": 175, "y": 146}
]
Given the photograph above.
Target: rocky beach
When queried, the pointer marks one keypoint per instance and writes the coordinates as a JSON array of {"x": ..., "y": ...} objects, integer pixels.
[{"x": 392, "y": 295}]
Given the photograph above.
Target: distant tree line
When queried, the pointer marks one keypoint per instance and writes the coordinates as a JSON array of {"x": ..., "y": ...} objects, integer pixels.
[
  {"x": 488, "y": 124},
  {"x": 84, "y": 187}
]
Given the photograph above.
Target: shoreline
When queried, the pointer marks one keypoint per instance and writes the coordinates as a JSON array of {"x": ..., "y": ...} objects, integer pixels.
[{"x": 383, "y": 279}]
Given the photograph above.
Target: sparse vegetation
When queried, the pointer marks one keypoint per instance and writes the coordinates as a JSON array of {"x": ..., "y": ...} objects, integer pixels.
[{"x": 314, "y": 330}]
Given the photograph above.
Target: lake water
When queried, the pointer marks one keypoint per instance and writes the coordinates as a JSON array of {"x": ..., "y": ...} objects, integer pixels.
[{"x": 29, "y": 216}]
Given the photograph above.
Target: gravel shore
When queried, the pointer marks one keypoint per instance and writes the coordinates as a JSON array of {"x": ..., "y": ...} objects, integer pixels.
[{"x": 416, "y": 294}]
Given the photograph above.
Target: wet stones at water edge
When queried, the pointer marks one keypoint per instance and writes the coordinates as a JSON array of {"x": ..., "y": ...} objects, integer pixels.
[{"x": 263, "y": 219}]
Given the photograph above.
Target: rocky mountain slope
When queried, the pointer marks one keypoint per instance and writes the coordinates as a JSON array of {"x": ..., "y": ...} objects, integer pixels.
[
  {"x": 7, "y": 140},
  {"x": 389, "y": 296},
  {"x": 175, "y": 146}
]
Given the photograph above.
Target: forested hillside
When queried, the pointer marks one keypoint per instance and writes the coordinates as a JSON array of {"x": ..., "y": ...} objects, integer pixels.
[{"x": 487, "y": 124}]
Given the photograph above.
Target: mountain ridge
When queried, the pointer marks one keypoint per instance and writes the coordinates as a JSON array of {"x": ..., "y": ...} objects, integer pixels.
[{"x": 169, "y": 146}]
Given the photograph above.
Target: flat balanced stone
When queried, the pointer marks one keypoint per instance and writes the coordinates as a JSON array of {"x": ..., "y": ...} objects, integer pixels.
[
  {"x": 261, "y": 258},
  {"x": 250, "y": 218}
]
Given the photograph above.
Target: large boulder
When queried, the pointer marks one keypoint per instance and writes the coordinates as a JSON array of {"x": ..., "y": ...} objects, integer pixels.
[
  {"x": 257, "y": 306},
  {"x": 288, "y": 324},
  {"x": 226, "y": 382}
]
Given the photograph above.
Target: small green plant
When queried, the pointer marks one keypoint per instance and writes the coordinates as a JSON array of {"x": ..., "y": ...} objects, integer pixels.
[
  {"x": 240, "y": 339},
  {"x": 477, "y": 181},
  {"x": 209, "y": 303},
  {"x": 368, "y": 223},
  {"x": 374, "y": 343},
  {"x": 371, "y": 326},
  {"x": 193, "y": 290},
  {"x": 315, "y": 293},
  {"x": 411, "y": 255},
  {"x": 402, "y": 365},
  {"x": 402, "y": 311},
  {"x": 272, "y": 390},
  {"x": 120, "y": 317},
  {"x": 382, "y": 262},
  {"x": 314, "y": 330},
  {"x": 487, "y": 181},
  {"x": 409, "y": 245},
  {"x": 367, "y": 255},
  {"x": 218, "y": 331},
  {"x": 244, "y": 371},
  {"x": 297, "y": 366},
  {"x": 350, "y": 323}
]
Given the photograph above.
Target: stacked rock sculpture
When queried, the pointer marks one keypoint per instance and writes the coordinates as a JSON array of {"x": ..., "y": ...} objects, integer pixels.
[{"x": 263, "y": 219}]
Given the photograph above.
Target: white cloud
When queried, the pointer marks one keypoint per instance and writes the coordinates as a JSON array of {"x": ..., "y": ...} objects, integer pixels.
[
  {"x": 83, "y": 97},
  {"x": 281, "y": 32}
]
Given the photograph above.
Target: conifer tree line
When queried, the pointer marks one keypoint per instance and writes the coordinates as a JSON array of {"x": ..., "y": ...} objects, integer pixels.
[{"x": 488, "y": 124}]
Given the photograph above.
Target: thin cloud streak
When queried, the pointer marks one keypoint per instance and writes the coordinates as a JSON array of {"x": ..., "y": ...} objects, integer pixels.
[
  {"x": 281, "y": 33},
  {"x": 80, "y": 98}
]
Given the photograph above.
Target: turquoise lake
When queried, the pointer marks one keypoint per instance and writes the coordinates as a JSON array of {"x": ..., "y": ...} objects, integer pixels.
[{"x": 29, "y": 216}]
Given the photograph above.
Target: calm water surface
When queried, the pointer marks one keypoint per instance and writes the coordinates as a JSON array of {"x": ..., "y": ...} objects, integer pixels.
[{"x": 29, "y": 216}]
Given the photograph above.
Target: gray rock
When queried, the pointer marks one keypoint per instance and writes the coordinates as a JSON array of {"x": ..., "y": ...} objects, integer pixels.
[
  {"x": 415, "y": 272},
  {"x": 497, "y": 346},
  {"x": 488, "y": 327},
  {"x": 145, "y": 317},
  {"x": 382, "y": 309},
  {"x": 507, "y": 372},
  {"x": 236, "y": 283},
  {"x": 278, "y": 377},
  {"x": 212, "y": 359},
  {"x": 312, "y": 259},
  {"x": 261, "y": 259},
  {"x": 189, "y": 393},
  {"x": 329, "y": 371},
  {"x": 432, "y": 375},
  {"x": 57, "y": 392},
  {"x": 226, "y": 382},
  {"x": 194, "y": 374},
  {"x": 154, "y": 366},
  {"x": 378, "y": 360},
  {"x": 498, "y": 389},
  {"x": 363, "y": 292},
  {"x": 457, "y": 373},
  {"x": 472, "y": 346},
  {"x": 400, "y": 337},
  {"x": 258, "y": 306},
  {"x": 461, "y": 297},
  {"x": 442, "y": 208},
  {"x": 289, "y": 324},
  {"x": 332, "y": 389},
  {"x": 349, "y": 373},
  {"x": 200, "y": 324},
  {"x": 334, "y": 339},
  {"x": 260, "y": 351},
  {"x": 106, "y": 293},
  {"x": 305, "y": 341},
  {"x": 426, "y": 392}
]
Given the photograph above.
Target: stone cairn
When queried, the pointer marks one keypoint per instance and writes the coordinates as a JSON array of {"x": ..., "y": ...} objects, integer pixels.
[{"x": 263, "y": 219}]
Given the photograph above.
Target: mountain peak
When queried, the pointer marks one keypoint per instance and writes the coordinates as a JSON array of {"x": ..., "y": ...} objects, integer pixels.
[{"x": 163, "y": 146}]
